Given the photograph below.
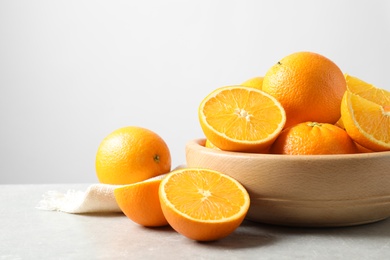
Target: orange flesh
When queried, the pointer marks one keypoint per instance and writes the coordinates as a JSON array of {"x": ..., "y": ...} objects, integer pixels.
[
  {"x": 202, "y": 198},
  {"x": 374, "y": 116},
  {"x": 240, "y": 114}
]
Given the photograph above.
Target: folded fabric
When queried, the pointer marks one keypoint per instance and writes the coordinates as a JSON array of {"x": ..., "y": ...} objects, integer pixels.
[{"x": 97, "y": 198}]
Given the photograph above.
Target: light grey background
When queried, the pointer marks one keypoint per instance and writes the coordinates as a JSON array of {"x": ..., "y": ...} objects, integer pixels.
[{"x": 71, "y": 72}]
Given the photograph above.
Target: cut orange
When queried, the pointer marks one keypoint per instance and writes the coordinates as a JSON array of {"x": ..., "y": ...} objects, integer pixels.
[
  {"x": 238, "y": 118},
  {"x": 367, "y": 122},
  {"x": 256, "y": 82},
  {"x": 140, "y": 202},
  {"x": 208, "y": 144},
  {"x": 203, "y": 204},
  {"x": 367, "y": 91}
]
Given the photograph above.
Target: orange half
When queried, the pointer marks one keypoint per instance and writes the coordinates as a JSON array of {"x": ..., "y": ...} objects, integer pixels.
[
  {"x": 140, "y": 202},
  {"x": 367, "y": 91},
  {"x": 238, "y": 118},
  {"x": 203, "y": 204},
  {"x": 367, "y": 122}
]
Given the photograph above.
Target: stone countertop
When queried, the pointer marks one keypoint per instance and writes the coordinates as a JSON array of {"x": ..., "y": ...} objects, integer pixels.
[{"x": 30, "y": 233}]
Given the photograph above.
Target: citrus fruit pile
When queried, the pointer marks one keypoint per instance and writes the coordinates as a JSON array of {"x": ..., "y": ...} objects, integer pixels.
[
  {"x": 304, "y": 104},
  {"x": 201, "y": 204}
]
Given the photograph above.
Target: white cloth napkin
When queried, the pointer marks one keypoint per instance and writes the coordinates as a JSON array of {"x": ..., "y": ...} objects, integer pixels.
[{"x": 98, "y": 198}]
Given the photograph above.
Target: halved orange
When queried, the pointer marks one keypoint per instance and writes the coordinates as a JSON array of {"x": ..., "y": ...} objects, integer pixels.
[
  {"x": 367, "y": 91},
  {"x": 208, "y": 144},
  {"x": 255, "y": 82},
  {"x": 238, "y": 118},
  {"x": 366, "y": 122},
  {"x": 140, "y": 202},
  {"x": 203, "y": 204}
]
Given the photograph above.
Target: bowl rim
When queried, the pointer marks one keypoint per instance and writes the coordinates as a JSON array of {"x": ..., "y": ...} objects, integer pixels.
[{"x": 199, "y": 144}]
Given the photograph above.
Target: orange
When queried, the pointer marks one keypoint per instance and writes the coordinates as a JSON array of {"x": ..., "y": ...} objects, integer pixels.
[
  {"x": 308, "y": 85},
  {"x": 131, "y": 154},
  {"x": 314, "y": 138},
  {"x": 203, "y": 204},
  {"x": 208, "y": 144},
  {"x": 255, "y": 82},
  {"x": 367, "y": 91},
  {"x": 238, "y": 118},
  {"x": 362, "y": 149},
  {"x": 340, "y": 123},
  {"x": 140, "y": 202},
  {"x": 367, "y": 122}
]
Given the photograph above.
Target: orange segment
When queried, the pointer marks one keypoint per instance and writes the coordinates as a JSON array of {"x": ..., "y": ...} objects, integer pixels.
[
  {"x": 203, "y": 204},
  {"x": 367, "y": 122},
  {"x": 256, "y": 82},
  {"x": 208, "y": 144},
  {"x": 367, "y": 91},
  {"x": 140, "y": 203},
  {"x": 238, "y": 118}
]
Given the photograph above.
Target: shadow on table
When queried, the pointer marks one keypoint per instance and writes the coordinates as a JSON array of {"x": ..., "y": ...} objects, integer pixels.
[
  {"x": 376, "y": 229},
  {"x": 248, "y": 235},
  {"x": 251, "y": 234}
]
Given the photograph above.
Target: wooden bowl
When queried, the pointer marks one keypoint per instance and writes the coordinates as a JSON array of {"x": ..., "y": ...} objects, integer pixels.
[{"x": 305, "y": 190}]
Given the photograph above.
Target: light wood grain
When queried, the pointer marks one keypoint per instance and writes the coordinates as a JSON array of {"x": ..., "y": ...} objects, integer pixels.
[{"x": 307, "y": 190}]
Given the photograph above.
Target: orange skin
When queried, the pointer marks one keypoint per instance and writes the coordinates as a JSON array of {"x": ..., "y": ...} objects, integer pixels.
[
  {"x": 314, "y": 138},
  {"x": 140, "y": 203},
  {"x": 131, "y": 154},
  {"x": 309, "y": 86},
  {"x": 375, "y": 119}
]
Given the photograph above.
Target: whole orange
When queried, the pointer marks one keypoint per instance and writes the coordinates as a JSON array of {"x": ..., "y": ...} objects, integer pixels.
[
  {"x": 309, "y": 86},
  {"x": 131, "y": 154},
  {"x": 314, "y": 138}
]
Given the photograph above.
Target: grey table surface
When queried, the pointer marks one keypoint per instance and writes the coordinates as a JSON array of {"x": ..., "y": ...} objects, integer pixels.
[{"x": 30, "y": 233}]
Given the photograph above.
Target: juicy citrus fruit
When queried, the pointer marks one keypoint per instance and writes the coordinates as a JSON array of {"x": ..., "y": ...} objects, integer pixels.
[
  {"x": 362, "y": 149},
  {"x": 340, "y": 123},
  {"x": 238, "y": 118},
  {"x": 209, "y": 144},
  {"x": 367, "y": 91},
  {"x": 367, "y": 122},
  {"x": 313, "y": 138},
  {"x": 203, "y": 204},
  {"x": 256, "y": 82},
  {"x": 131, "y": 154},
  {"x": 308, "y": 85},
  {"x": 140, "y": 202}
]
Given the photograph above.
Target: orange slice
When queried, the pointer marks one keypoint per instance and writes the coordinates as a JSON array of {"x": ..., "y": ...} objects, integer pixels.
[
  {"x": 238, "y": 118},
  {"x": 255, "y": 82},
  {"x": 208, "y": 144},
  {"x": 367, "y": 122},
  {"x": 140, "y": 202},
  {"x": 367, "y": 91},
  {"x": 203, "y": 204}
]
